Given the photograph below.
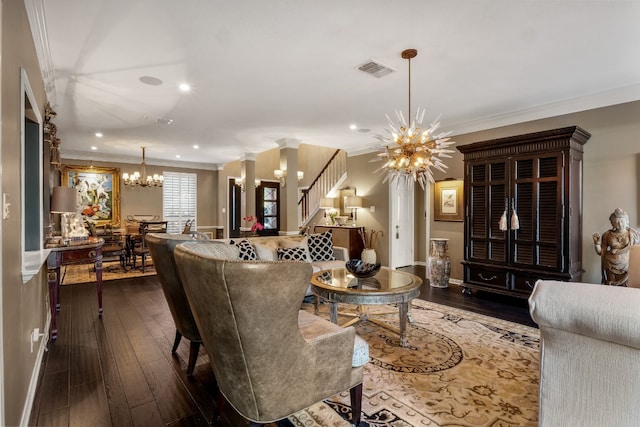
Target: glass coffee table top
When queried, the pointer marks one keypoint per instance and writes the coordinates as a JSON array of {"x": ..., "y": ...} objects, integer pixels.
[{"x": 385, "y": 281}]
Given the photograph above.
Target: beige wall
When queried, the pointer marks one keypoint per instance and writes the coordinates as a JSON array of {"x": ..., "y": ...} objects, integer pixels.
[
  {"x": 611, "y": 174},
  {"x": 24, "y": 306},
  {"x": 148, "y": 201}
]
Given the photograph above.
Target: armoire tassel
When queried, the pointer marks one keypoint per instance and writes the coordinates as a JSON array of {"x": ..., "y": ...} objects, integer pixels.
[
  {"x": 515, "y": 222},
  {"x": 502, "y": 224}
]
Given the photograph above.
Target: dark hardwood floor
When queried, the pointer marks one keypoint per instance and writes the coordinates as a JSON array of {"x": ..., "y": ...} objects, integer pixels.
[{"x": 119, "y": 371}]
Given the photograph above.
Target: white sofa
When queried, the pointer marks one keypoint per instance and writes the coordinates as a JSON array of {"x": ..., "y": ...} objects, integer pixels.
[
  {"x": 589, "y": 354},
  {"x": 266, "y": 249}
]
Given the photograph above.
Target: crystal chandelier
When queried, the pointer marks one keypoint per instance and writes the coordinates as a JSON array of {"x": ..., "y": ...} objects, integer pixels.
[
  {"x": 138, "y": 178},
  {"x": 409, "y": 151}
]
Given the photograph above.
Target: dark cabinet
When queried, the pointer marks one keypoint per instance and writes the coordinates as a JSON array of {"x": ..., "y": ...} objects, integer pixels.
[
  {"x": 346, "y": 237},
  {"x": 523, "y": 210}
]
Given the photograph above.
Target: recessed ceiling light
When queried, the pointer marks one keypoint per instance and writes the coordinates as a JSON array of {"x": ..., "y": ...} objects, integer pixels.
[
  {"x": 364, "y": 130},
  {"x": 94, "y": 148},
  {"x": 196, "y": 146},
  {"x": 152, "y": 81},
  {"x": 177, "y": 156},
  {"x": 184, "y": 87},
  {"x": 164, "y": 121},
  {"x": 353, "y": 127},
  {"x": 99, "y": 134}
]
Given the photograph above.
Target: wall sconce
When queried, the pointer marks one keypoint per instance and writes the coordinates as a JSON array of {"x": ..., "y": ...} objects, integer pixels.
[
  {"x": 328, "y": 204},
  {"x": 353, "y": 203},
  {"x": 281, "y": 175}
]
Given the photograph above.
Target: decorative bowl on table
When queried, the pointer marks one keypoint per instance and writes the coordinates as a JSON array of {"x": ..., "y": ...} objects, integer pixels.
[
  {"x": 362, "y": 269},
  {"x": 340, "y": 220}
]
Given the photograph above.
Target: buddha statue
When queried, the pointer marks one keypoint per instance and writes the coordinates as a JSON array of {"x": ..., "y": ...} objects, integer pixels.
[{"x": 614, "y": 246}]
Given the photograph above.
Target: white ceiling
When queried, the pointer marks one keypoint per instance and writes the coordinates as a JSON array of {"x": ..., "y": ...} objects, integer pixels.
[{"x": 262, "y": 71}]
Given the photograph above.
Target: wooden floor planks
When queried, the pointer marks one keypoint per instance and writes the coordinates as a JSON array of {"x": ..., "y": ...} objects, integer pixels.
[{"x": 119, "y": 370}]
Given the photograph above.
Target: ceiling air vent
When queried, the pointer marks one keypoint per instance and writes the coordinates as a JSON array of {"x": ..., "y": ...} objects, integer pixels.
[{"x": 375, "y": 68}]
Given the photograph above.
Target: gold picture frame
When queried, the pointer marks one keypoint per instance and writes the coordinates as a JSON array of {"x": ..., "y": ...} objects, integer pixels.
[
  {"x": 448, "y": 200},
  {"x": 98, "y": 192}
]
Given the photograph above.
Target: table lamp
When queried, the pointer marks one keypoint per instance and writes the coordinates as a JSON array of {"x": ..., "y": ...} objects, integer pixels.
[
  {"x": 327, "y": 203},
  {"x": 63, "y": 201},
  {"x": 353, "y": 203}
]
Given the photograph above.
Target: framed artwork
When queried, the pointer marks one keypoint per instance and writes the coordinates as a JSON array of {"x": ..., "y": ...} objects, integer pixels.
[
  {"x": 344, "y": 193},
  {"x": 98, "y": 192},
  {"x": 448, "y": 200}
]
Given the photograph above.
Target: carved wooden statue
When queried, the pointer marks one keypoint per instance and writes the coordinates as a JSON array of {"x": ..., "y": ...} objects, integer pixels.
[{"x": 614, "y": 247}]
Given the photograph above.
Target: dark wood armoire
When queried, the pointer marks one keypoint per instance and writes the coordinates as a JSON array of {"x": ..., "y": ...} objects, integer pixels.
[{"x": 523, "y": 210}]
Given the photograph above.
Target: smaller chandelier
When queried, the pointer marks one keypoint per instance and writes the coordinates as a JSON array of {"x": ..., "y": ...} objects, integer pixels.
[
  {"x": 137, "y": 179},
  {"x": 411, "y": 152}
]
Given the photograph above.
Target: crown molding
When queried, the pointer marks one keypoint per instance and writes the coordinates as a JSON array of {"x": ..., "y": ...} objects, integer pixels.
[
  {"x": 83, "y": 155},
  {"x": 36, "y": 13}
]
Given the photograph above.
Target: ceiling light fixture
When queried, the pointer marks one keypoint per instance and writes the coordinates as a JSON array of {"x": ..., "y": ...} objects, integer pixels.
[
  {"x": 138, "y": 179},
  {"x": 410, "y": 153}
]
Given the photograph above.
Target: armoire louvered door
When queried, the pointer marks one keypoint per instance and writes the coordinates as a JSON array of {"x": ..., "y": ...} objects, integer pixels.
[{"x": 522, "y": 195}]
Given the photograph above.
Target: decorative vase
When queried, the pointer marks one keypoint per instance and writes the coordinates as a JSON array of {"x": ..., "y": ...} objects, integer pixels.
[
  {"x": 368, "y": 256},
  {"x": 439, "y": 263}
]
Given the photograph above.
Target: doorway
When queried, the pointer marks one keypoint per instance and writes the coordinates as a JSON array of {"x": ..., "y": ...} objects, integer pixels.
[{"x": 401, "y": 226}]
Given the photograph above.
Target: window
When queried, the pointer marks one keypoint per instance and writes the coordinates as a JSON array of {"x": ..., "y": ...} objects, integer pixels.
[
  {"x": 179, "y": 200},
  {"x": 31, "y": 163}
]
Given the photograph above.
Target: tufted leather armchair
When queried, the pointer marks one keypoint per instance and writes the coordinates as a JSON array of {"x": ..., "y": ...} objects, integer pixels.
[{"x": 270, "y": 358}]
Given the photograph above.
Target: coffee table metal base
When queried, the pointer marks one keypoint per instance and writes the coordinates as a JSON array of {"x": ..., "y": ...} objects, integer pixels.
[{"x": 404, "y": 313}]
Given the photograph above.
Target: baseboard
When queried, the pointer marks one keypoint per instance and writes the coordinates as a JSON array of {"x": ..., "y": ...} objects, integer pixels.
[
  {"x": 455, "y": 282},
  {"x": 35, "y": 376}
]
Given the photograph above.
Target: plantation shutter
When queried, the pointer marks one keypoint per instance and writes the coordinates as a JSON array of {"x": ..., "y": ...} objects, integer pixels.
[{"x": 179, "y": 201}]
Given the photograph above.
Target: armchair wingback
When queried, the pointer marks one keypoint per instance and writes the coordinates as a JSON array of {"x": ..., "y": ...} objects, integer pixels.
[
  {"x": 161, "y": 246},
  {"x": 269, "y": 360},
  {"x": 590, "y": 354}
]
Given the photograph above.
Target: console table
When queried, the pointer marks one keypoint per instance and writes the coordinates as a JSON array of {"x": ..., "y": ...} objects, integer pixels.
[
  {"x": 85, "y": 252},
  {"x": 345, "y": 236}
]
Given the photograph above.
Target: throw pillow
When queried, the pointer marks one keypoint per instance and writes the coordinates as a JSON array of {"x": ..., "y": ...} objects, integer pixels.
[
  {"x": 292, "y": 254},
  {"x": 321, "y": 246},
  {"x": 247, "y": 251},
  {"x": 266, "y": 251},
  {"x": 293, "y": 243}
]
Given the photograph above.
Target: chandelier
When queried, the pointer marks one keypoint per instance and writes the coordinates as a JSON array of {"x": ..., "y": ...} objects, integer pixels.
[
  {"x": 409, "y": 151},
  {"x": 137, "y": 179}
]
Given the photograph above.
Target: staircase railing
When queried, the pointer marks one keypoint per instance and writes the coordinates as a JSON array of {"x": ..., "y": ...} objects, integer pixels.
[{"x": 328, "y": 180}]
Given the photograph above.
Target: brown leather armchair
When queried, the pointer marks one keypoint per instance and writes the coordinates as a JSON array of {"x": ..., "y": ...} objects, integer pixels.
[
  {"x": 161, "y": 247},
  {"x": 270, "y": 358}
]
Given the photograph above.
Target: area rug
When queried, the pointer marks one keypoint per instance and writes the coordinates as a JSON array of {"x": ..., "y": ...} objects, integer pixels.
[
  {"x": 460, "y": 369},
  {"x": 85, "y": 273}
]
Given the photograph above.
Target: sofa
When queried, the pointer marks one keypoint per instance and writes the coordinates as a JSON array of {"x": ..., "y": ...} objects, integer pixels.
[
  {"x": 317, "y": 249},
  {"x": 589, "y": 354}
]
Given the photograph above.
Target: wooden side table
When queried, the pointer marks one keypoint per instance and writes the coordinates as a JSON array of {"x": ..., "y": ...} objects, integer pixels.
[
  {"x": 345, "y": 236},
  {"x": 85, "y": 252}
]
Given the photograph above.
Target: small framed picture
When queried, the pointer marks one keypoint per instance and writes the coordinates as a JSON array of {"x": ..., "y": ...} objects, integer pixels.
[{"x": 448, "y": 200}]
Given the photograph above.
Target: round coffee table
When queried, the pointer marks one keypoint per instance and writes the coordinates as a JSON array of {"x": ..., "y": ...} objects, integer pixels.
[{"x": 386, "y": 287}]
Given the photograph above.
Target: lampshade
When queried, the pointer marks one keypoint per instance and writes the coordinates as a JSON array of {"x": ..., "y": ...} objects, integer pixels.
[
  {"x": 63, "y": 200},
  {"x": 327, "y": 203},
  {"x": 353, "y": 202}
]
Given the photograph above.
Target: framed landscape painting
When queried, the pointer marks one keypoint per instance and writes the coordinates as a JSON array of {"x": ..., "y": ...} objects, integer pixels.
[
  {"x": 98, "y": 192},
  {"x": 448, "y": 200}
]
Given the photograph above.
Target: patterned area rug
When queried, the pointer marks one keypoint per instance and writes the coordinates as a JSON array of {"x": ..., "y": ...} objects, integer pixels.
[
  {"x": 84, "y": 273},
  {"x": 460, "y": 369}
]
